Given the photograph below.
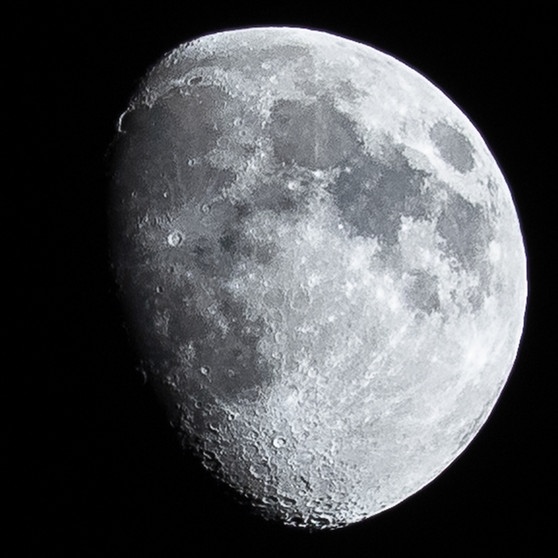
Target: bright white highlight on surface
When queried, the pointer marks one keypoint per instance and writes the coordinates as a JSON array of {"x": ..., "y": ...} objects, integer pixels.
[{"x": 322, "y": 264}]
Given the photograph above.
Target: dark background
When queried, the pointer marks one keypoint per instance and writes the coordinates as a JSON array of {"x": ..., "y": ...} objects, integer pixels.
[{"x": 99, "y": 473}]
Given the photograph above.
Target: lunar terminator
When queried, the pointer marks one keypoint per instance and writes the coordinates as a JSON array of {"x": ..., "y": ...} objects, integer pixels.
[{"x": 322, "y": 265}]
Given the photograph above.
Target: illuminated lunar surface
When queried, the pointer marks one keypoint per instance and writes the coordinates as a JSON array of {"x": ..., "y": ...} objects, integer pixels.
[{"x": 322, "y": 267}]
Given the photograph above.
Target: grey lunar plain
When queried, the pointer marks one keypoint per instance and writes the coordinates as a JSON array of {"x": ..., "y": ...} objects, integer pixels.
[{"x": 322, "y": 266}]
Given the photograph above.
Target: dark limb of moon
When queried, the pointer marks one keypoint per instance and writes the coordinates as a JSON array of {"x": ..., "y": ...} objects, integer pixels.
[{"x": 321, "y": 262}]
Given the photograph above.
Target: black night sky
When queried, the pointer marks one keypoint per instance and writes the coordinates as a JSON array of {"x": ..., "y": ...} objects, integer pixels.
[{"x": 100, "y": 473}]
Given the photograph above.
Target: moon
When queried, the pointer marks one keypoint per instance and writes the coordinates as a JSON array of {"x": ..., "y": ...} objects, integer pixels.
[{"x": 322, "y": 268}]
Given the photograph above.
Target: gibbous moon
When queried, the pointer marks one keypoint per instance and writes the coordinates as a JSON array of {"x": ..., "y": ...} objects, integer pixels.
[{"x": 322, "y": 267}]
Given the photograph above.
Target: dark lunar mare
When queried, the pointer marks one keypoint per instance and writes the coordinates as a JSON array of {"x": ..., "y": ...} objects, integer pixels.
[
  {"x": 374, "y": 192},
  {"x": 453, "y": 146},
  {"x": 157, "y": 175},
  {"x": 153, "y": 180},
  {"x": 314, "y": 135}
]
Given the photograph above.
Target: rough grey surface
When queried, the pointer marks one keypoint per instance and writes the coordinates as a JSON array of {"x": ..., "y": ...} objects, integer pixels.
[{"x": 322, "y": 266}]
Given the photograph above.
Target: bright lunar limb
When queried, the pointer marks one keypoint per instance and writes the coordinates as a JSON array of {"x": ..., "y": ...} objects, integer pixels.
[{"x": 322, "y": 265}]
